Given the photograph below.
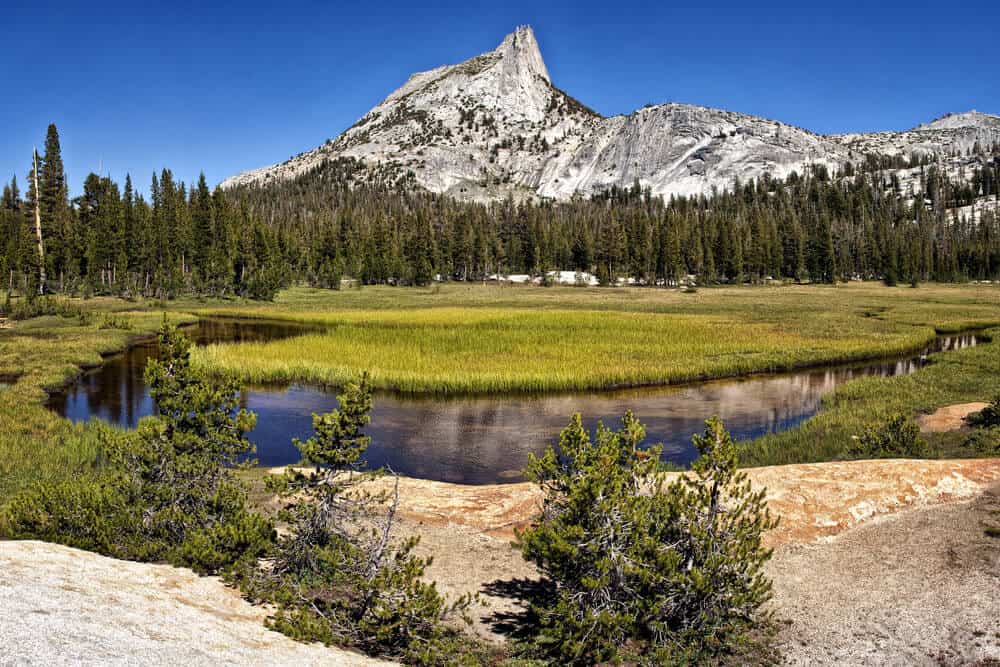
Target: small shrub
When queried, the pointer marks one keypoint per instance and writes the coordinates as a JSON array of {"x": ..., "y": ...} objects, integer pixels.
[
  {"x": 111, "y": 321},
  {"x": 984, "y": 441},
  {"x": 899, "y": 436},
  {"x": 25, "y": 309},
  {"x": 643, "y": 570},
  {"x": 988, "y": 416}
]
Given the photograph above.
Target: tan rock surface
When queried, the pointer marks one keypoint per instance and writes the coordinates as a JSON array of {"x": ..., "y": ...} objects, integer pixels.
[
  {"x": 918, "y": 588},
  {"x": 814, "y": 500},
  {"x": 62, "y": 606}
]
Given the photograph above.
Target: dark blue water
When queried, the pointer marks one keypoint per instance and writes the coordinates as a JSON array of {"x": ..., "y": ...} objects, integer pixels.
[{"x": 482, "y": 440}]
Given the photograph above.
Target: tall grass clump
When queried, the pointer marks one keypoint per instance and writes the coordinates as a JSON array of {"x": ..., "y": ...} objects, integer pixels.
[{"x": 463, "y": 338}]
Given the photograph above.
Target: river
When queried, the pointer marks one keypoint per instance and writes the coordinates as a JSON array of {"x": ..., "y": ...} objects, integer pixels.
[{"x": 482, "y": 440}]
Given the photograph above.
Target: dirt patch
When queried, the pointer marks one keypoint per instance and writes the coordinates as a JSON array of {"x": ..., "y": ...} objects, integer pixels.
[
  {"x": 920, "y": 588},
  {"x": 468, "y": 530},
  {"x": 466, "y": 560},
  {"x": 948, "y": 418}
]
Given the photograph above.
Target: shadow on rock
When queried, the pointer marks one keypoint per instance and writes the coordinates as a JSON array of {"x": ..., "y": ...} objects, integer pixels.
[{"x": 526, "y": 592}]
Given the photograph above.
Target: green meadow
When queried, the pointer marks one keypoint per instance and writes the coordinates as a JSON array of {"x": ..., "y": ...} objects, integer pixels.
[{"x": 476, "y": 338}]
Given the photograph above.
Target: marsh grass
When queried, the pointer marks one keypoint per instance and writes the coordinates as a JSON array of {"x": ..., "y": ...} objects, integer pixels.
[{"x": 486, "y": 339}]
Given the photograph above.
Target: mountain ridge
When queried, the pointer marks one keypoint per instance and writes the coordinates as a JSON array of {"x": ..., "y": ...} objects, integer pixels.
[{"x": 495, "y": 126}]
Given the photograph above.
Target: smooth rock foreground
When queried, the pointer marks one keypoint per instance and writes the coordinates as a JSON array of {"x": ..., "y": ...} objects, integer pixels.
[{"x": 62, "y": 606}]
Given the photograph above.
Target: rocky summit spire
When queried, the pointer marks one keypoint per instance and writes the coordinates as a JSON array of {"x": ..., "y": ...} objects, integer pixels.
[{"x": 519, "y": 51}]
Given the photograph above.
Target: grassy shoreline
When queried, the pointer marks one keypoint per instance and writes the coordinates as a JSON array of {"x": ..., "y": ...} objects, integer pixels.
[
  {"x": 46, "y": 354},
  {"x": 958, "y": 376}
]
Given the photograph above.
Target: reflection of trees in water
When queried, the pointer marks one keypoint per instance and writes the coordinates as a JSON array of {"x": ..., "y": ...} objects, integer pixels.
[{"x": 481, "y": 440}]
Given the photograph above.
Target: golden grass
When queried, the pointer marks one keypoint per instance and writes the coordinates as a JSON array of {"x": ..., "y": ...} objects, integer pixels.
[{"x": 485, "y": 339}]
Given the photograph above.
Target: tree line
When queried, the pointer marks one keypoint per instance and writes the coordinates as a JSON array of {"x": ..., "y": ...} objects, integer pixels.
[
  {"x": 112, "y": 240},
  {"x": 338, "y": 220}
]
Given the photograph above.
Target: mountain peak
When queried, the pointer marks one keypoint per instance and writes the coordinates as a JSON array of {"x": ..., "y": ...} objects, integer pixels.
[
  {"x": 494, "y": 126},
  {"x": 519, "y": 50}
]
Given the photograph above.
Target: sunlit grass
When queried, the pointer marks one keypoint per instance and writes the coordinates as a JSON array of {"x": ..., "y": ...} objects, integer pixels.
[{"x": 485, "y": 339}]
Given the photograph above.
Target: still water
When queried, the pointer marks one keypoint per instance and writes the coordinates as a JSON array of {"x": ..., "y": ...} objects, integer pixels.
[{"x": 481, "y": 440}]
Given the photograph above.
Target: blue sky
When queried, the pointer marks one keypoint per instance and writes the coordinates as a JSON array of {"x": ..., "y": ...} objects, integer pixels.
[{"x": 139, "y": 86}]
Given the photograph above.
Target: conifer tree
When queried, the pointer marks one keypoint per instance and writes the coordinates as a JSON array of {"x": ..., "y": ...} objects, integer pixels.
[{"x": 643, "y": 570}]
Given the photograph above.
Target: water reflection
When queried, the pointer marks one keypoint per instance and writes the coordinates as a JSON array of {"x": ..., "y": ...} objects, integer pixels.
[{"x": 482, "y": 440}]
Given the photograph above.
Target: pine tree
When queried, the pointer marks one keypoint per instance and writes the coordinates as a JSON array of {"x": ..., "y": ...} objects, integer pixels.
[
  {"x": 54, "y": 205},
  {"x": 203, "y": 227}
]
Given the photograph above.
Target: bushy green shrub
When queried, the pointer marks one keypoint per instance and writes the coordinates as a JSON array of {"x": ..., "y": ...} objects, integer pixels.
[
  {"x": 168, "y": 489},
  {"x": 898, "y": 436},
  {"x": 25, "y": 309},
  {"x": 984, "y": 441},
  {"x": 92, "y": 514},
  {"x": 644, "y": 570}
]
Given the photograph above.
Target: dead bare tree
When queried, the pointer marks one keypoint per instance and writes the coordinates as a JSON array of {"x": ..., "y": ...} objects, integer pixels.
[{"x": 38, "y": 227}]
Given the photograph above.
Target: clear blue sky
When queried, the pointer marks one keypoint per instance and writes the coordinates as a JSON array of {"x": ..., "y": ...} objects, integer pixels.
[{"x": 141, "y": 85}]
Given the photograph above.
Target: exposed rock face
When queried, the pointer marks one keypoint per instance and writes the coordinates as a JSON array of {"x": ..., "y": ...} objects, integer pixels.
[
  {"x": 495, "y": 126},
  {"x": 62, "y": 606},
  {"x": 815, "y": 500}
]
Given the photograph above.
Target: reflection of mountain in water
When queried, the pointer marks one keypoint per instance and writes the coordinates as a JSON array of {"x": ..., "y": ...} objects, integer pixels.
[{"x": 485, "y": 440}]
